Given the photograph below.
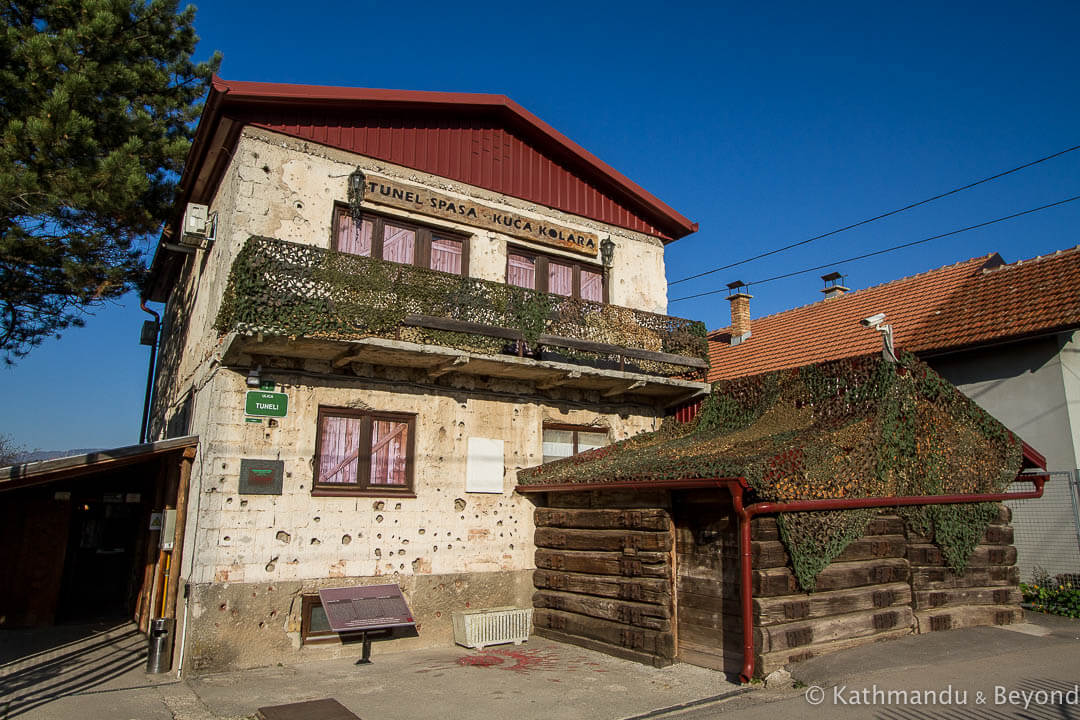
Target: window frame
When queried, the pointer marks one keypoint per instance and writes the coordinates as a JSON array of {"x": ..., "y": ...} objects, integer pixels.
[
  {"x": 363, "y": 486},
  {"x": 307, "y": 636},
  {"x": 423, "y": 233},
  {"x": 574, "y": 429},
  {"x": 542, "y": 261}
]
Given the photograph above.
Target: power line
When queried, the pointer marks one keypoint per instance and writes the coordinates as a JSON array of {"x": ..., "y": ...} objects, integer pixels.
[
  {"x": 876, "y": 217},
  {"x": 888, "y": 249}
]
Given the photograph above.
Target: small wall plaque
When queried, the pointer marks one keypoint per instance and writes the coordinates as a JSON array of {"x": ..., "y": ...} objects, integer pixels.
[{"x": 261, "y": 477}]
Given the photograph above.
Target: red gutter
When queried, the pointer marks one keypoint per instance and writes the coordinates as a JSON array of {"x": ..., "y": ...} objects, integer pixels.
[{"x": 738, "y": 486}]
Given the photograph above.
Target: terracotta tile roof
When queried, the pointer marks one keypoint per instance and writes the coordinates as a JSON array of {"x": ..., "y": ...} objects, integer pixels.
[{"x": 979, "y": 301}]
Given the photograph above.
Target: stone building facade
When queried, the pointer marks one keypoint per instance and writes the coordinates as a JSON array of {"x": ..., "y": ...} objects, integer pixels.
[{"x": 394, "y": 460}]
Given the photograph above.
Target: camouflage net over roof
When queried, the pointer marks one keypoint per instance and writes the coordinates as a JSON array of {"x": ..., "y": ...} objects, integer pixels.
[{"x": 858, "y": 427}]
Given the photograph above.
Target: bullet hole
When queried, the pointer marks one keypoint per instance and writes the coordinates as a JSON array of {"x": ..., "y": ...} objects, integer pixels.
[
  {"x": 459, "y": 504},
  {"x": 449, "y": 547},
  {"x": 317, "y": 518},
  {"x": 400, "y": 552},
  {"x": 434, "y": 548},
  {"x": 273, "y": 613},
  {"x": 457, "y": 539},
  {"x": 261, "y": 624},
  {"x": 401, "y": 566},
  {"x": 243, "y": 503},
  {"x": 283, "y": 536},
  {"x": 378, "y": 552},
  {"x": 346, "y": 539},
  {"x": 266, "y": 169},
  {"x": 227, "y": 538},
  {"x": 254, "y": 595},
  {"x": 477, "y": 516},
  {"x": 378, "y": 518},
  {"x": 500, "y": 534},
  {"x": 438, "y": 613},
  {"x": 378, "y": 505},
  {"x": 299, "y": 205},
  {"x": 397, "y": 506},
  {"x": 224, "y": 465},
  {"x": 468, "y": 604},
  {"x": 223, "y": 607},
  {"x": 462, "y": 517},
  {"x": 228, "y": 501},
  {"x": 272, "y": 564},
  {"x": 378, "y": 536},
  {"x": 316, "y": 541},
  {"x": 422, "y": 531},
  {"x": 511, "y": 546},
  {"x": 498, "y": 524},
  {"x": 416, "y": 565}
]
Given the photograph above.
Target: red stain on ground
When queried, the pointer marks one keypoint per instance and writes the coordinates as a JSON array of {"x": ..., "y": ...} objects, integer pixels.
[
  {"x": 524, "y": 661},
  {"x": 479, "y": 660}
]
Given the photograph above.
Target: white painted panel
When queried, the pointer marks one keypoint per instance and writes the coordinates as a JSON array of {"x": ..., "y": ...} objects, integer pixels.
[{"x": 484, "y": 470}]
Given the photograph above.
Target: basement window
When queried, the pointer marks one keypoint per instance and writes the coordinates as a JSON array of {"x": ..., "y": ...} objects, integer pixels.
[
  {"x": 314, "y": 625},
  {"x": 562, "y": 441},
  {"x": 400, "y": 241},
  {"x": 363, "y": 453}
]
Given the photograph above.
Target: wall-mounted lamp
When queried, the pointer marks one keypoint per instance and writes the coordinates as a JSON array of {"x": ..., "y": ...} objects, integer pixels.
[
  {"x": 357, "y": 182},
  {"x": 607, "y": 252},
  {"x": 254, "y": 377}
]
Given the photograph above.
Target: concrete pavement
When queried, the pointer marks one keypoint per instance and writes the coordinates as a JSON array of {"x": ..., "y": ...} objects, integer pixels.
[{"x": 937, "y": 676}]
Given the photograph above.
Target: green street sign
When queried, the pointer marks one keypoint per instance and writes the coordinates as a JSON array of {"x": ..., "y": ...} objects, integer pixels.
[{"x": 267, "y": 404}]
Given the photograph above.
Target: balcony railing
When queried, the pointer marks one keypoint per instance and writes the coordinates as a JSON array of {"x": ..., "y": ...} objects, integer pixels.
[{"x": 288, "y": 289}]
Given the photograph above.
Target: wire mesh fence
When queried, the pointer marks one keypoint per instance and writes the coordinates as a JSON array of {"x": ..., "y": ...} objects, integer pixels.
[{"x": 1046, "y": 531}]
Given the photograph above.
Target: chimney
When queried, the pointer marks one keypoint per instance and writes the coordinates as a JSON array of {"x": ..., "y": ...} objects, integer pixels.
[
  {"x": 834, "y": 285},
  {"x": 740, "y": 311}
]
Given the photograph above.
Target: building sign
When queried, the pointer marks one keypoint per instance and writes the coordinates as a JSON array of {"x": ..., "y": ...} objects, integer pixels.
[
  {"x": 266, "y": 404},
  {"x": 261, "y": 477},
  {"x": 365, "y": 607},
  {"x": 426, "y": 202}
]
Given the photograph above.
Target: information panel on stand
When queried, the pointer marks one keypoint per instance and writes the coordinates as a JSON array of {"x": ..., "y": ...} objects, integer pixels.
[{"x": 365, "y": 607}]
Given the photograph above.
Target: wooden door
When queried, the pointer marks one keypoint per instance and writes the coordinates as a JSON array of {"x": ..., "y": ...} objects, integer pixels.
[{"x": 707, "y": 581}]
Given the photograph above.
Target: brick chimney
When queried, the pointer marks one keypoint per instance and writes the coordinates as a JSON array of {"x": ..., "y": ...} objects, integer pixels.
[
  {"x": 740, "y": 311},
  {"x": 834, "y": 285}
]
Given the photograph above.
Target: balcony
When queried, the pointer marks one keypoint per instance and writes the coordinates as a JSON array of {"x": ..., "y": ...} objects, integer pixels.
[{"x": 293, "y": 300}]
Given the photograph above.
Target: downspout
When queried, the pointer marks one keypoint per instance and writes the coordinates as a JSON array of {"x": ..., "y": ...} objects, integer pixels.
[
  {"x": 149, "y": 371},
  {"x": 747, "y": 513}
]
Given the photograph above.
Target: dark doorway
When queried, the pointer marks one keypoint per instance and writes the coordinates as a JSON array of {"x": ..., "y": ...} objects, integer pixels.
[
  {"x": 102, "y": 553},
  {"x": 707, "y": 580}
]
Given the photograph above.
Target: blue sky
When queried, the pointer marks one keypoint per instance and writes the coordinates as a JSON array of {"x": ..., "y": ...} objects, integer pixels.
[{"x": 766, "y": 125}]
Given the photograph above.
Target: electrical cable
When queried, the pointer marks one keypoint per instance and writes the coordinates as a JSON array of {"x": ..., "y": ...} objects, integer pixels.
[
  {"x": 876, "y": 217},
  {"x": 888, "y": 249}
]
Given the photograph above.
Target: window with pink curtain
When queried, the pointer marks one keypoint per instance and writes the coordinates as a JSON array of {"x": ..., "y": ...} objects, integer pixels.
[
  {"x": 339, "y": 449},
  {"x": 592, "y": 286},
  {"x": 560, "y": 279},
  {"x": 399, "y": 244},
  {"x": 446, "y": 254},
  {"x": 521, "y": 271},
  {"x": 351, "y": 239},
  {"x": 389, "y": 441}
]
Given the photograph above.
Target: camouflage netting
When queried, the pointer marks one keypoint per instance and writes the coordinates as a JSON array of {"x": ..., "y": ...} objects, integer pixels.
[
  {"x": 859, "y": 427},
  {"x": 283, "y": 288}
]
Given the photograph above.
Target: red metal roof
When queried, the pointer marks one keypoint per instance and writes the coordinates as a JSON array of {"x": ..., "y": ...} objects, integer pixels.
[
  {"x": 977, "y": 302},
  {"x": 484, "y": 140}
]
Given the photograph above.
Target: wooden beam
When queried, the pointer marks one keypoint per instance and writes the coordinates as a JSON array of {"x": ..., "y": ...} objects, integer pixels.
[
  {"x": 345, "y": 357},
  {"x": 449, "y": 324},
  {"x": 624, "y": 387},
  {"x": 557, "y": 380},
  {"x": 178, "y": 543},
  {"x": 449, "y": 366}
]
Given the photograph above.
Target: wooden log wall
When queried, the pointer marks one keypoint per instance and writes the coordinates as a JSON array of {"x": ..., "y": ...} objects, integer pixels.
[
  {"x": 862, "y": 596},
  {"x": 604, "y": 574},
  {"x": 987, "y": 593}
]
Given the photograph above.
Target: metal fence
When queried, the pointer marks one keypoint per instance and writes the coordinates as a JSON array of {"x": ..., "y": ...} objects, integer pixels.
[{"x": 1047, "y": 530}]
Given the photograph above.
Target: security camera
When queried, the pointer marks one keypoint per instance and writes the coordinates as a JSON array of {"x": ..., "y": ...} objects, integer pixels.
[{"x": 873, "y": 320}]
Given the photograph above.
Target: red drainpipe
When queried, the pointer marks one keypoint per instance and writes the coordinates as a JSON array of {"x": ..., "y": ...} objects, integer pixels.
[{"x": 746, "y": 513}]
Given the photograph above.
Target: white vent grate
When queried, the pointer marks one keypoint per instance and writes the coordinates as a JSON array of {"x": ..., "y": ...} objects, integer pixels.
[{"x": 480, "y": 628}]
